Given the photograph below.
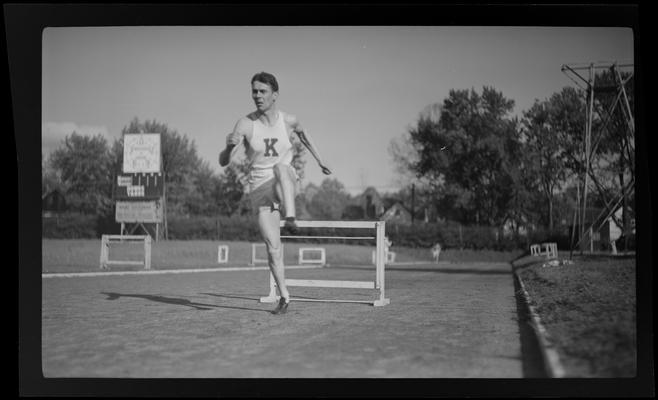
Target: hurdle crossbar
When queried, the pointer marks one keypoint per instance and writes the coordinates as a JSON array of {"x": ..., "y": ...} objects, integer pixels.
[
  {"x": 336, "y": 224},
  {"x": 380, "y": 260},
  {"x": 331, "y": 284},
  {"x": 331, "y": 300},
  {"x": 330, "y": 237}
]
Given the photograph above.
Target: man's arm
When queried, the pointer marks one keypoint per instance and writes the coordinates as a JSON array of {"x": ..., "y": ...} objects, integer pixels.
[
  {"x": 240, "y": 132},
  {"x": 306, "y": 141}
]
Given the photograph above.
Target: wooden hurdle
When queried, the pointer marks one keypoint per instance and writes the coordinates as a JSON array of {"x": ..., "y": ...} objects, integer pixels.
[
  {"x": 535, "y": 250},
  {"x": 321, "y": 261},
  {"x": 222, "y": 254},
  {"x": 105, "y": 250},
  {"x": 548, "y": 250},
  {"x": 377, "y": 284}
]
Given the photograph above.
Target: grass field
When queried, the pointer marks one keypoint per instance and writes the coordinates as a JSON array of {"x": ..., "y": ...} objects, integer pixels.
[
  {"x": 80, "y": 255},
  {"x": 589, "y": 310}
]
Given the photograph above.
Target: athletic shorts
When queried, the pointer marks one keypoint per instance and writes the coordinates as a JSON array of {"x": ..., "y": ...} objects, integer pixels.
[{"x": 265, "y": 197}]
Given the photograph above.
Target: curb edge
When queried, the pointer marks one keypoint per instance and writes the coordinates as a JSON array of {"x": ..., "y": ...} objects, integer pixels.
[{"x": 552, "y": 363}]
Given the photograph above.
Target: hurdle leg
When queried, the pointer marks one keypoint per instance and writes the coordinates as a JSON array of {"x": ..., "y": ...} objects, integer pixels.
[
  {"x": 104, "y": 252},
  {"x": 379, "y": 276},
  {"x": 147, "y": 252},
  {"x": 377, "y": 259}
]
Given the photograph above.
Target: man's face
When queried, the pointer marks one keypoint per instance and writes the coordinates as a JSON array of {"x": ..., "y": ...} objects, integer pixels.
[{"x": 263, "y": 96}]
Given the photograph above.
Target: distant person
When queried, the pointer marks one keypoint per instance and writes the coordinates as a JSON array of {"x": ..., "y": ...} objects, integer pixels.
[
  {"x": 436, "y": 251},
  {"x": 267, "y": 136}
]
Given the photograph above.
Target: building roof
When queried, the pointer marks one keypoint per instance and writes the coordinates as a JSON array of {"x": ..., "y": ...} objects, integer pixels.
[
  {"x": 397, "y": 212},
  {"x": 53, "y": 201}
]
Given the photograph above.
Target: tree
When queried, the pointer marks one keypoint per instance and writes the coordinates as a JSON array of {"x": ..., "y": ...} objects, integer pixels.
[
  {"x": 544, "y": 153},
  {"x": 404, "y": 153},
  {"x": 329, "y": 201},
  {"x": 567, "y": 120},
  {"x": 230, "y": 191},
  {"x": 204, "y": 200},
  {"x": 469, "y": 154},
  {"x": 84, "y": 165},
  {"x": 50, "y": 178}
]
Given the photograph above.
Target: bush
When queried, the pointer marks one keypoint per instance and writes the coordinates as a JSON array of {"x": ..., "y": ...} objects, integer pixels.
[
  {"x": 453, "y": 236},
  {"x": 106, "y": 224},
  {"x": 245, "y": 228},
  {"x": 213, "y": 228},
  {"x": 82, "y": 226},
  {"x": 239, "y": 227},
  {"x": 69, "y": 226},
  {"x": 191, "y": 228}
]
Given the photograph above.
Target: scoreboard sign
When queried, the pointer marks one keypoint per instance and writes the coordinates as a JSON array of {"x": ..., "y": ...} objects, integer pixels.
[
  {"x": 138, "y": 211},
  {"x": 139, "y": 186},
  {"x": 141, "y": 152}
]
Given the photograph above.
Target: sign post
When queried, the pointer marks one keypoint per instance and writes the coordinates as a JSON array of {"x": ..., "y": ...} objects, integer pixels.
[{"x": 139, "y": 190}]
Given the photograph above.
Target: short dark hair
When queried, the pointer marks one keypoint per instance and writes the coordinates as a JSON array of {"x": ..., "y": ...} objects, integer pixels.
[{"x": 266, "y": 78}]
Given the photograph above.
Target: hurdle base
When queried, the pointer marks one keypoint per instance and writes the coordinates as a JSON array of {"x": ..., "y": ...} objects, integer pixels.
[
  {"x": 269, "y": 299},
  {"x": 376, "y": 303},
  {"x": 379, "y": 303}
]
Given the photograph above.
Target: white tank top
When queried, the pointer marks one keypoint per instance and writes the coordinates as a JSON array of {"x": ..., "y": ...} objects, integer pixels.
[{"x": 268, "y": 146}]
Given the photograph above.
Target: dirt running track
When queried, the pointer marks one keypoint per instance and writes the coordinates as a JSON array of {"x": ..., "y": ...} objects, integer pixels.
[{"x": 444, "y": 321}]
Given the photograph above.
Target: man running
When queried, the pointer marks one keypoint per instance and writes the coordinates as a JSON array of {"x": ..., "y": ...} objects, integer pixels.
[{"x": 266, "y": 134}]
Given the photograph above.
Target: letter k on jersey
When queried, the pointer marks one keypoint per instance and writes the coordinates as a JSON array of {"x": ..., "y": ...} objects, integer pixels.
[{"x": 270, "y": 151}]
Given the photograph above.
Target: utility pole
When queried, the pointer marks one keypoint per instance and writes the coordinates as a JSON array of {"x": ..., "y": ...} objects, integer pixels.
[
  {"x": 413, "y": 200},
  {"x": 590, "y": 152}
]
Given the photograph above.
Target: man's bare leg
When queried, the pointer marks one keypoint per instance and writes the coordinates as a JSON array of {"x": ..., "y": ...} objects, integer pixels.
[
  {"x": 268, "y": 221},
  {"x": 285, "y": 190}
]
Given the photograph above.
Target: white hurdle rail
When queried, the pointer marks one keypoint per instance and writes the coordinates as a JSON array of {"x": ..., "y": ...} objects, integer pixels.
[{"x": 379, "y": 282}]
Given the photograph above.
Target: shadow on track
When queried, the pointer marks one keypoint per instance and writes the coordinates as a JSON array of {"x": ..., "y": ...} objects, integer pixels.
[
  {"x": 531, "y": 357},
  {"x": 438, "y": 270},
  {"x": 255, "y": 298},
  {"x": 233, "y": 296},
  {"x": 176, "y": 301}
]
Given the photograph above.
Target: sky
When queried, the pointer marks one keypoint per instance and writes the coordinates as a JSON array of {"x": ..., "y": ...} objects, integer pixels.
[{"x": 354, "y": 89}]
